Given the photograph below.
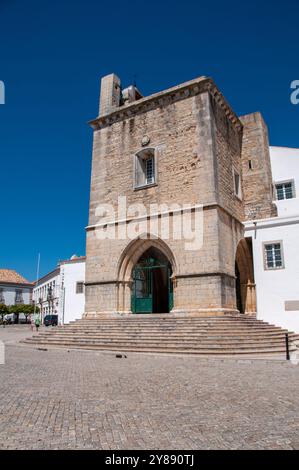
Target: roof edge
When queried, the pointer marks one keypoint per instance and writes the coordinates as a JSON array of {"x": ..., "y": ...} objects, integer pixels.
[{"x": 184, "y": 90}]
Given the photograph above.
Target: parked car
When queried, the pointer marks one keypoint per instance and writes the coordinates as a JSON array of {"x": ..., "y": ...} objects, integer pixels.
[
  {"x": 12, "y": 318},
  {"x": 51, "y": 320},
  {"x": 22, "y": 318},
  {"x": 9, "y": 318}
]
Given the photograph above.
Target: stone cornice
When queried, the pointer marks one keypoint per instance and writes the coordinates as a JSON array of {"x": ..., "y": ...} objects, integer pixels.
[
  {"x": 171, "y": 95},
  {"x": 205, "y": 274}
]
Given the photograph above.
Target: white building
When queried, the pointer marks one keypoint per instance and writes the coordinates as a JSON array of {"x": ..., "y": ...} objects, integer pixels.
[
  {"x": 14, "y": 288},
  {"x": 61, "y": 292},
  {"x": 275, "y": 244},
  {"x": 72, "y": 278}
]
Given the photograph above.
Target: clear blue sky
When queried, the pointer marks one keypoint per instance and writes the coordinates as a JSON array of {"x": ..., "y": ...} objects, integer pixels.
[{"x": 52, "y": 55}]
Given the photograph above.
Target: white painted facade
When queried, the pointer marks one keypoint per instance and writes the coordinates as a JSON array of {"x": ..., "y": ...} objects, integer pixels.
[
  {"x": 46, "y": 293},
  {"x": 72, "y": 278},
  {"x": 61, "y": 292},
  {"x": 277, "y": 289},
  {"x": 12, "y": 294},
  {"x": 14, "y": 288}
]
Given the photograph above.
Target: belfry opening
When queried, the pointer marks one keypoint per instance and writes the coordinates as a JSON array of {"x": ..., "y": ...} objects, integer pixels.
[{"x": 152, "y": 289}]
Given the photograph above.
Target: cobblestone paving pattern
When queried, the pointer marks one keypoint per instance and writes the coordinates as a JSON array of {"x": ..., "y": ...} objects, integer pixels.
[{"x": 57, "y": 399}]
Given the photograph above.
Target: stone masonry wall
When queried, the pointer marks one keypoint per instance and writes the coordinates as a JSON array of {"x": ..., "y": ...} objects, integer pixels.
[
  {"x": 256, "y": 169},
  {"x": 196, "y": 149},
  {"x": 182, "y": 136},
  {"x": 228, "y": 142}
]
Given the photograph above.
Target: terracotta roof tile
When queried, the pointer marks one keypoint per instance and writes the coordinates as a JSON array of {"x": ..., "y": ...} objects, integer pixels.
[{"x": 9, "y": 275}]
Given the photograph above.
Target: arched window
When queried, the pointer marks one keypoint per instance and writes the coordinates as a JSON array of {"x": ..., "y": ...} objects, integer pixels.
[{"x": 145, "y": 168}]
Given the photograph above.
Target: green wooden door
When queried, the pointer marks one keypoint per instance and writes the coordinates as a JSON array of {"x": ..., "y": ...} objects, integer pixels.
[
  {"x": 170, "y": 291},
  {"x": 142, "y": 295},
  {"x": 142, "y": 300}
]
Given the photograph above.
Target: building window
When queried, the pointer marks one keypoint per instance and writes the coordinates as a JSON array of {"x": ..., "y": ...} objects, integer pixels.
[
  {"x": 237, "y": 184},
  {"x": 285, "y": 190},
  {"x": 19, "y": 296},
  {"x": 273, "y": 255},
  {"x": 150, "y": 170},
  {"x": 145, "y": 168},
  {"x": 2, "y": 300},
  {"x": 79, "y": 287}
]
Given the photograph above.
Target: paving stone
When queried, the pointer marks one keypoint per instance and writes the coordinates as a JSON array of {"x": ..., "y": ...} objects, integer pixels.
[{"x": 88, "y": 400}]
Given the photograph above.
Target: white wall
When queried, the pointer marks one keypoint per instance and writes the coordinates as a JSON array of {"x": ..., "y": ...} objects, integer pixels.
[
  {"x": 275, "y": 287},
  {"x": 9, "y": 294},
  {"x": 285, "y": 166},
  {"x": 74, "y": 303},
  {"x": 40, "y": 291},
  {"x": 68, "y": 305}
]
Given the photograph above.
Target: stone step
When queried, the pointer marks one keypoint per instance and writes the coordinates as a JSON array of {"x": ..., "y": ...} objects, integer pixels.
[
  {"x": 145, "y": 318},
  {"x": 171, "y": 334},
  {"x": 168, "y": 318},
  {"x": 155, "y": 323},
  {"x": 175, "y": 335},
  {"x": 180, "y": 350},
  {"x": 172, "y": 320},
  {"x": 172, "y": 345},
  {"x": 173, "y": 331},
  {"x": 169, "y": 328},
  {"x": 227, "y": 335},
  {"x": 118, "y": 324},
  {"x": 165, "y": 341},
  {"x": 165, "y": 326},
  {"x": 141, "y": 344}
]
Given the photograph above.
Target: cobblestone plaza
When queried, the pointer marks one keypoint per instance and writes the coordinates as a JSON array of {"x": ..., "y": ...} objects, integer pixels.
[{"x": 60, "y": 399}]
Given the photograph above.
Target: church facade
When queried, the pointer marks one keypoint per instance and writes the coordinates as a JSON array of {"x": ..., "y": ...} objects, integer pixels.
[{"x": 175, "y": 176}]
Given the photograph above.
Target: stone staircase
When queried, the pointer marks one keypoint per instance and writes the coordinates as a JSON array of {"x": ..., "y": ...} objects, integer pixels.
[{"x": 205, "y": 336}]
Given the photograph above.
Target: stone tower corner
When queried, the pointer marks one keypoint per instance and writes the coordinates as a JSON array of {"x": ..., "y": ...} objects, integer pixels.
[{"x": 256, "y": 168}]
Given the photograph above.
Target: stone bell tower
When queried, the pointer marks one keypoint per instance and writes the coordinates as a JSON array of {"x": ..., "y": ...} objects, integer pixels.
[{"x": 181, "y": 146}]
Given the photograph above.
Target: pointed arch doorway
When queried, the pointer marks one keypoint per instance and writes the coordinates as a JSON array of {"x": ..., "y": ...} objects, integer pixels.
[
  {"x": 152, "y": 289},
  {"x": 244, "y": 274}
]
